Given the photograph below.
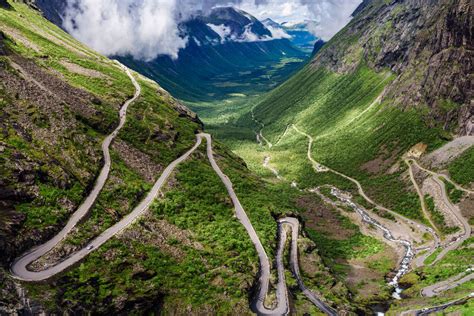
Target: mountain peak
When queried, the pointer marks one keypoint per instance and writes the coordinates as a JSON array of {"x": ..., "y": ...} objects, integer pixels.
[
  {"x": 231, "y": 13},
  {"x": 223, "y": 24}
]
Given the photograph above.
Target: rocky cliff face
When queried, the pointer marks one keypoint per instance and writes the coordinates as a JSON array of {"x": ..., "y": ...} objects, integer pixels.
[{"x": 428, "y": 44}]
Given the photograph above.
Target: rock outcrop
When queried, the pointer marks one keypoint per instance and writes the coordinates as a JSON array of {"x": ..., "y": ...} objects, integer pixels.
[{"x": 429, "y": 46}]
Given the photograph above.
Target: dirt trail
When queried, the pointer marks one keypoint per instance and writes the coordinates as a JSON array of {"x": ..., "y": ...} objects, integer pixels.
[
  {"x": 420, "y": 194},
  {"x": 411, "y": 223}
]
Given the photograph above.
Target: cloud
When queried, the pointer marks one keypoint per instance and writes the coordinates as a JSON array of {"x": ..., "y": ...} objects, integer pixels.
[
  {"x": 141, "y": 28},
  {"x": 223, "y": 31},
  {"x": 328, "y": 16},
  {"x": 278, "y": 33},
  {"x": 145, "y": 29}
]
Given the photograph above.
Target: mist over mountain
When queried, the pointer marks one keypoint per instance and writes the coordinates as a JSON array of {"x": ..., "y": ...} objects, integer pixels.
[
  {"x": 301, "y": 34},
  {"x": 223, "y": 44},
  {"x": 148, "y": 28}
]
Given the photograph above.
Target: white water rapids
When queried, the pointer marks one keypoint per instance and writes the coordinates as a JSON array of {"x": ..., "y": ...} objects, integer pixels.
[{"x": 409, "y": 254}]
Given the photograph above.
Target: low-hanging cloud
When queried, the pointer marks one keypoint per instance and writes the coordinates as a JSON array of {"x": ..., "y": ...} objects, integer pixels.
[
  {"x": 145, "y": 29},
  {"x": 330, "y": 16},
  {"x": 141, "y": 28}
]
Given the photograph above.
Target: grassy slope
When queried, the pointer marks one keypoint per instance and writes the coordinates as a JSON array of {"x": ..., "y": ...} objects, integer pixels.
[
  {"x": 212, "y": 278},
  {"x": 461, "y": 169},
  {"x": 349, "y": 131},
  {"x": 337, "y": 110},
  {"x": 153, "y": 127},
  {"x": 128, "y": 273},
  {"x": 149, "y": 114}
]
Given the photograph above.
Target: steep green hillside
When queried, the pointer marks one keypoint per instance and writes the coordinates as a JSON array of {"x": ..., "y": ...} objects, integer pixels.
[
  {"x": 214, "y": 72},
  {"x": 187, "y": 255},
  {"x": 59, "y": 100},
  {"x": 366, "y": 98}
]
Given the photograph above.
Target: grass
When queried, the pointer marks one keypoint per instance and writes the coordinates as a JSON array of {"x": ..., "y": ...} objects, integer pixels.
[
  {"x": 123, "y": 190},
  {"x": 340, "y": 112},
  {"x": 429, "y": 260},
  {"x": 48, "y": 211},
  {"x": 75, "y": 157},
  {"x": 358, "y": 246},
  {"x": 454, "y": 194},
  {"x": 461, "y": 170},
  {"x": 347, "y": 253},
  {"x": 382, "y": 265},
  {"x": 216, "y": 276}
]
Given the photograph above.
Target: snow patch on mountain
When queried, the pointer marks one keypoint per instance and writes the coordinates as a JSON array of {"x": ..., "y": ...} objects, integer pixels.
[
  {"x": 223, "y": 31},
  {"x": 278, "y": 33}
]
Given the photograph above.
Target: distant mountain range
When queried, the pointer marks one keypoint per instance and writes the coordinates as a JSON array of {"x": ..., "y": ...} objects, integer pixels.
[
  {"x": 223, "y": 25},
  {"x": 223, "y": 44},
  {"x": 299, "y": 33}
]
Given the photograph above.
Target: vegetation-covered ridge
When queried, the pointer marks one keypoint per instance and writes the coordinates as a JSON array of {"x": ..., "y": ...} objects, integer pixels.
[
  {"x": 368, "y": 96},
  {"x": 390, "y": 83},
  {"x": 187, "y": 254}
]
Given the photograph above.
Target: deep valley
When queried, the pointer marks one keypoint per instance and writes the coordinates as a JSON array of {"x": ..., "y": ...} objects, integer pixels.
[{"x": 261, "y": 170}]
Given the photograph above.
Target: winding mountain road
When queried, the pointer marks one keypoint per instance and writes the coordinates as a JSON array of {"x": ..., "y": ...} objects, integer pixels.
[
  {"x": 320, "y": 168},
  {"x": 20, "y": 271},
  {"x": 464, "y": 223},
  {"x": 439, "y": 287},
  {"x": 420, "y": 194},
  {"x": 19, "y": 267},
  {"x": 294, "y": 224},
  {"x": 282, "y": 307},
  {"x": 438, "y": 308},
  {"x": 447, "y": 178},
  {"x": 409, "y": 255},
  {"x": 454, "y": 210},
  {"x": 451, "y": 283}
]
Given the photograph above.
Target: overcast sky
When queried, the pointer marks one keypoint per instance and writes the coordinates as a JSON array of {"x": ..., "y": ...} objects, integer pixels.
[{"x": 147, "y": 28}]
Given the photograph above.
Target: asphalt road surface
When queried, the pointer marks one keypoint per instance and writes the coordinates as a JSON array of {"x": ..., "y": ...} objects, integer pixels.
[
  {"x": 294, "y": 224},
  {"x": 18, "y": 268}
]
